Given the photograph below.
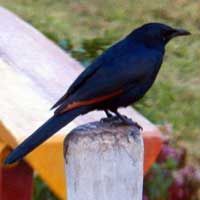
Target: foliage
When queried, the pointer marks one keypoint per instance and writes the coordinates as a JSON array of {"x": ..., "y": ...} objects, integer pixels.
[
  {"x": 170, "y": 178},
  {"x": 41, "y": 191},
  {"x": 90, "y": 48}
]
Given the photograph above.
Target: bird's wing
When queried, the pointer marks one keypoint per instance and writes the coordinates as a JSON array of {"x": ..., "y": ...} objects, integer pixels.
[
  {"x": 110, "y": 78},
  {"x": 89, "y": 71}
]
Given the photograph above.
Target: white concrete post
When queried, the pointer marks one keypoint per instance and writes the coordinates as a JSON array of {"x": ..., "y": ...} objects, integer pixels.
[{"x": 104, "y": 161}]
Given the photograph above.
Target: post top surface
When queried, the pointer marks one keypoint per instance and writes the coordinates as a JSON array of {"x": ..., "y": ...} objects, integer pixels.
[{"x": 102, "y": 129}]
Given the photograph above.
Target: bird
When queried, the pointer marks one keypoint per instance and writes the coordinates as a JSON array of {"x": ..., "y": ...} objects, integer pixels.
[{"x": 119, "y": 77}]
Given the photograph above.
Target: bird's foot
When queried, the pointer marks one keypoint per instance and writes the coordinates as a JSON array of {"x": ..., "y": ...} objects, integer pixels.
[
  {"x": 137, "y": 125},
  {"x": 119, "y": 120},
  {"x": 115, "y": 120},
  {"x": 127, "y": 121},
  {"x": 130, "y": 122},
  {"x": 109, "y": 119}
]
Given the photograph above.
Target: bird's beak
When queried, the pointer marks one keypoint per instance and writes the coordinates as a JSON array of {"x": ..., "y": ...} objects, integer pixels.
[{"x": 180, "y": 32}]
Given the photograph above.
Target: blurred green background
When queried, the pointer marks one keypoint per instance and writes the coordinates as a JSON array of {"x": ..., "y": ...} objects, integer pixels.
[{"x": 175, "y": 97}]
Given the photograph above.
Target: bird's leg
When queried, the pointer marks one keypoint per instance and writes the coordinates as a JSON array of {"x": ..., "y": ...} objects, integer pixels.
[
  {"x": 108, "y": 114},
  {"x": 122, "y": 118},
  {"x": 108, "y": 118},
  {"x": 126, "y": 120}
]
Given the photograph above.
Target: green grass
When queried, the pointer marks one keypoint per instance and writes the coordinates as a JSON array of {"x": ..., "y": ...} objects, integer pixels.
[{"x": 175, "y": 97}]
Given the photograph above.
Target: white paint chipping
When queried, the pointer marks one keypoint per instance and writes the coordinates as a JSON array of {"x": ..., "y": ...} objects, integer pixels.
[{"x": 104, "y": 162}]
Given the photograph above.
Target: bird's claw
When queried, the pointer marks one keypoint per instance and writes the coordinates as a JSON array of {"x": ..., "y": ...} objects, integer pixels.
[
  {"x": 108, "y": 119},
  {"x": 121, "y": 121},
  {"x": 138, "y": 126},
  {"x": 128, "y": 121}
]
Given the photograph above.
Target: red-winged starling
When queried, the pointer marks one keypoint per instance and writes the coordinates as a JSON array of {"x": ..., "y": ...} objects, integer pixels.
[{"x": 119, "y": 77}]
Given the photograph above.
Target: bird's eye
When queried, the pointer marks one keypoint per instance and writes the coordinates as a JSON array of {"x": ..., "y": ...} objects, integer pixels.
[{"x": 166, "y": 34}]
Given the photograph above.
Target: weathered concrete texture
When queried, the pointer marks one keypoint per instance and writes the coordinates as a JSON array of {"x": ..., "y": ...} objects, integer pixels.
[{"x": 104, "y": 161}]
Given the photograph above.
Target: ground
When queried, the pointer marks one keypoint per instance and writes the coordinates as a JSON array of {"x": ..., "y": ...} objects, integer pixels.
[{"x": 175, "y": 97}]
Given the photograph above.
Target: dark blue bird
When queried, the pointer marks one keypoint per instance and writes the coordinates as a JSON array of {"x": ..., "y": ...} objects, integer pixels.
[{"x": 119, "y": 77}]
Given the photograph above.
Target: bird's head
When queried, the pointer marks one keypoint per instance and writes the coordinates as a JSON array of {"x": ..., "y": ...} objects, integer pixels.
[{"x": 154, "y": 34}]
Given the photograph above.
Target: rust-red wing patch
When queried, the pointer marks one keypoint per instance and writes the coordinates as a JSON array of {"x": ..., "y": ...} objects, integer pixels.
[{"x": 89, "y": 102}]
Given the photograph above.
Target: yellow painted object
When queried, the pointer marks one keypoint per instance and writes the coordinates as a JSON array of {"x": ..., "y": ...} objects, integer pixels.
[
  {"x": 50, "y": 162},
  {"x": 46, "y": 160},
  {"x": 3, "y": 152},
  {"x": 34, "y": 74}
]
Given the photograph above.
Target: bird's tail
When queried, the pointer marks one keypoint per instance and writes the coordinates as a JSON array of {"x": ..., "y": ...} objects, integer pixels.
[{"x": 54, "y": 124}]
